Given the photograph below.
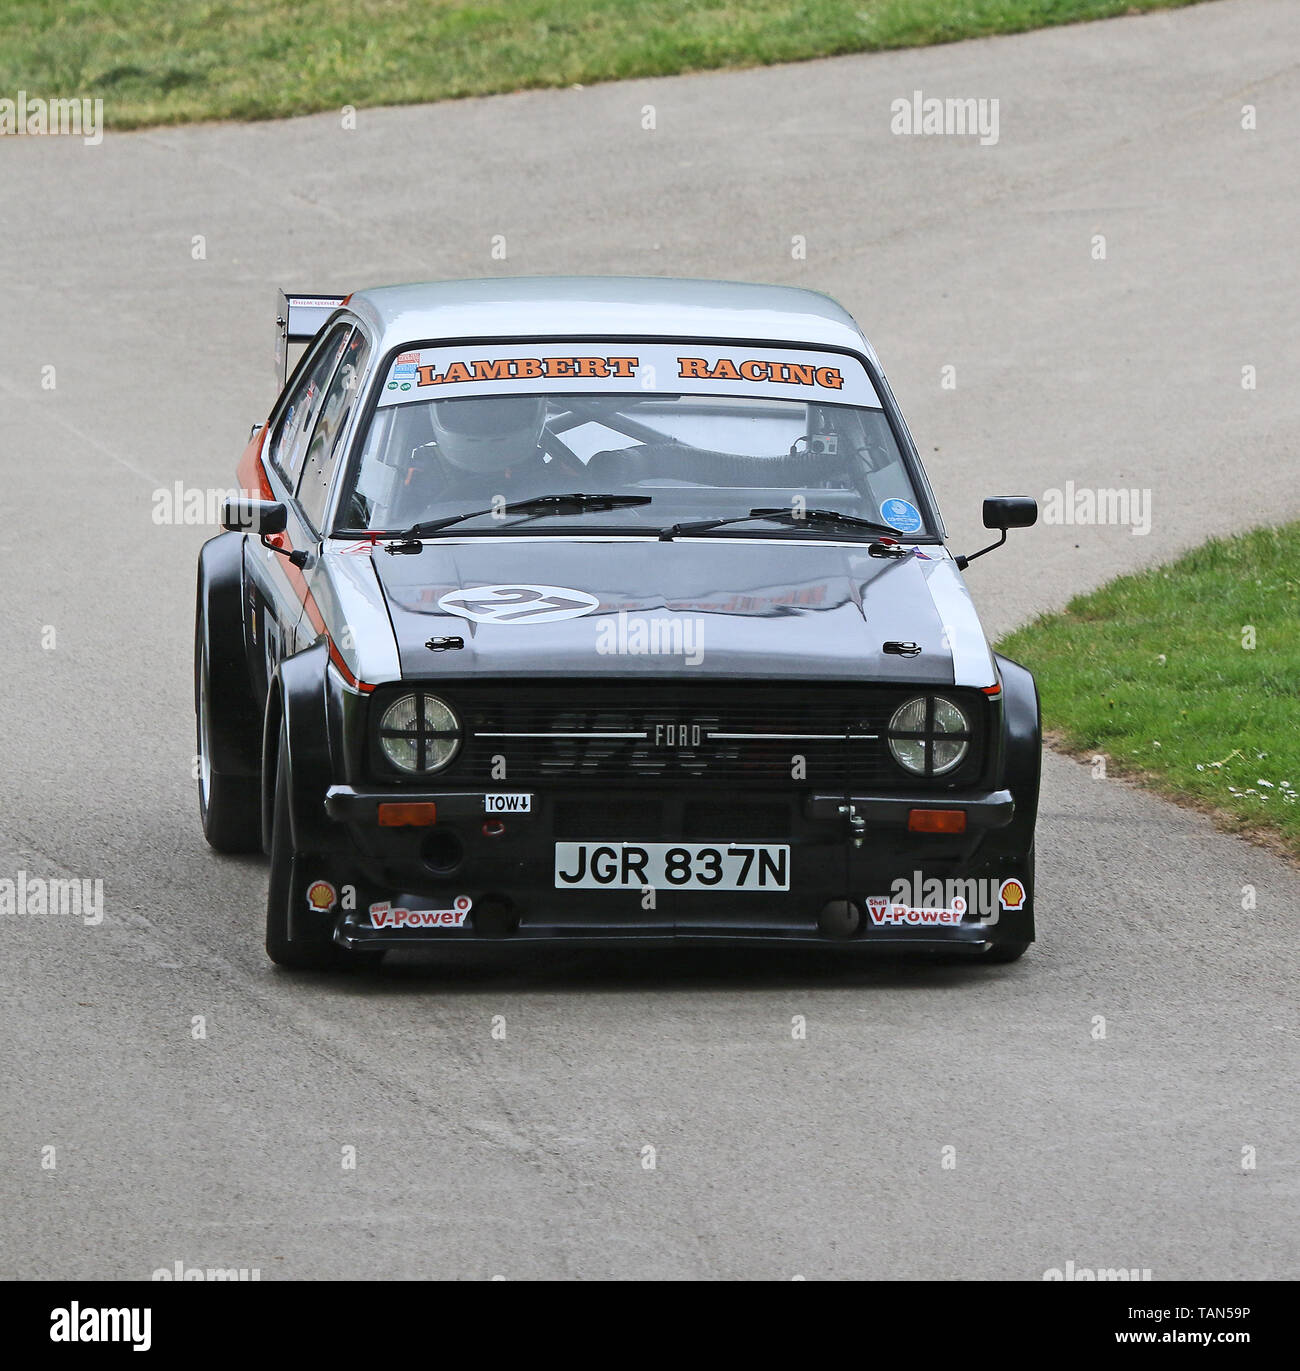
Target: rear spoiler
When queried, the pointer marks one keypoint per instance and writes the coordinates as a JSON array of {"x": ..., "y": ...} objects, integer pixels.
[{"x": 298, "y": 319}]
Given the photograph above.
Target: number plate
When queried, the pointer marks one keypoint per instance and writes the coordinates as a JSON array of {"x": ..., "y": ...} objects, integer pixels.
[{"x": 672, "y": 866}]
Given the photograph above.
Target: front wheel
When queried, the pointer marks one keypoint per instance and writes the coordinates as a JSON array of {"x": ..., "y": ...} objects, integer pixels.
[
  {"x": 305, "y": 944},
  {"x": 1010, "y": 951},
  {"x": 229, "y": 806}
]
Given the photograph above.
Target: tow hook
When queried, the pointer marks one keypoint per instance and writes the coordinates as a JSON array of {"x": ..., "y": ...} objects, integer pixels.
[{"x": 857, "y": 824}]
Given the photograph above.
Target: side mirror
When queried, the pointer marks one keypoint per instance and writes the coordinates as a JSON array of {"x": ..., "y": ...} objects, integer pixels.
[
  {"x": 1010, "y": 511},
  {"x": 254, "y": 516},
  {"x": 1003, "y": 512},
  {"x": 265, "y": 518}
]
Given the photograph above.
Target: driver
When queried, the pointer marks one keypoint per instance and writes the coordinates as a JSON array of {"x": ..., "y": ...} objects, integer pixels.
[{"x": 495, "y": 439}]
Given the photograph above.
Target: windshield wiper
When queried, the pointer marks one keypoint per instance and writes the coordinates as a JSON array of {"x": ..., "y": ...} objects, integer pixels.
[
  {"x": 781, "y": 515},
  {"x": 574, "y": 503}
]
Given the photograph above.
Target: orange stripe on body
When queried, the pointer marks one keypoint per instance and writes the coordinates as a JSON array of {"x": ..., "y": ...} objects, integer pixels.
[
  {"x": 251, "y": 473},
  {"x": 254, "y": 482}
]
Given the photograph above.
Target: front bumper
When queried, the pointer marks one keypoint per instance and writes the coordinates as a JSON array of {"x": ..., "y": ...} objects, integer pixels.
[
  {"x": 843, "y": 849},
  {"x": 351, "y": 932},
  {"x": 985, "y": 809}
]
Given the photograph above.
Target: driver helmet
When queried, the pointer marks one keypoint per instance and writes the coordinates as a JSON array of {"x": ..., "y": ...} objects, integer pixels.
[{"x": 487, "y": 435}]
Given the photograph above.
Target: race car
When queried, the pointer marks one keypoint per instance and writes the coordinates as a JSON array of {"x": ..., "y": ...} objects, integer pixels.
[{"x": 605, "y": 611}]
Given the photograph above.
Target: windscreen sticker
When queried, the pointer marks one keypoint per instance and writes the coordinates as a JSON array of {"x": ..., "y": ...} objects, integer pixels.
[
  {"x": 902, "y": 515},
  {"x": 669, "y": 368},
  {"x": 403, "y": 376}
]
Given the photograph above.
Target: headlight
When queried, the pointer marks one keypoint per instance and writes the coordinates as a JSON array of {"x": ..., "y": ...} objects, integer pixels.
[
  {"x": 419, "y": 733},
  {"x": 929, "y": 735}
]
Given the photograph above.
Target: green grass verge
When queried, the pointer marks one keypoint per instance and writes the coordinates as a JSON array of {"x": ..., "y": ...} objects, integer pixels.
[
  {"x": 179, "y": 61},
  {"x": 1150, "y": 672}
]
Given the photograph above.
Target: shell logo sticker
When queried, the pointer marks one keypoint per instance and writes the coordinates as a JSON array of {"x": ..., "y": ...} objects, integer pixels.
[
  {"x": 1011, "y": 894},
  {"x": 321, "y": 896},
  {"x": 521, "y": 604}
]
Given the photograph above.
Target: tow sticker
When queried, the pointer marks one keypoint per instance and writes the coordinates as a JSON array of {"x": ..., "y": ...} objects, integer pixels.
[{"x": 527, "y": 604}]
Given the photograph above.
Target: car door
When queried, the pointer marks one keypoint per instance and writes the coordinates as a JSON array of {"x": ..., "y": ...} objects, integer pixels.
[
  {"x": 324, "y": 456},
  {"x": 278, "y": 590}
]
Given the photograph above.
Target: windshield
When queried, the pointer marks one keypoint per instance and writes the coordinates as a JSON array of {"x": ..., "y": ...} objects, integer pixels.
[{"x": 709, "y": 435}]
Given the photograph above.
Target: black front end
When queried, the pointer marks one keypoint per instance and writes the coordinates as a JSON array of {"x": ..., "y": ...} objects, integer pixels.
[{"x": 650, "y": 811}]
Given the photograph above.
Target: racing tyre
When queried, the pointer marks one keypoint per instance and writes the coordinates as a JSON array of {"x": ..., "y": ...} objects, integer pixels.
[
  {"x": 307, "y": 950},
  {"x": 229, "y": 806},
  {"x": 1009, "y": 951}
]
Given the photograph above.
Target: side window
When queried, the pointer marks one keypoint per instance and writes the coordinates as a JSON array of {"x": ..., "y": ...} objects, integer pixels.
[
  {"x": 288, "y": 444},
  {"x": 325, "y": 447}
]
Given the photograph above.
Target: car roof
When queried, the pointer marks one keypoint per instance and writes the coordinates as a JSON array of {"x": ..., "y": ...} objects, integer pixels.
[{"x": 605, "y": 307}]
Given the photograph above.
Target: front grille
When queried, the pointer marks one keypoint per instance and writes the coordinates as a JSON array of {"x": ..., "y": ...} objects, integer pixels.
[
  {"x": 688, "y": 736},
  {"x": 703, "y": 820},
  {"x": 708, "y": 820},
  {"x": 579, "y": 819}
]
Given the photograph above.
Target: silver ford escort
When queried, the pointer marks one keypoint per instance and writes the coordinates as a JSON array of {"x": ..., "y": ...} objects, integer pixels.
[{"x": 605, "y": 611}]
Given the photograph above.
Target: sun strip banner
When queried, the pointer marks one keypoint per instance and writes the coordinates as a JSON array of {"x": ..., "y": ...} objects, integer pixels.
[{"x": 457, "y": 372}]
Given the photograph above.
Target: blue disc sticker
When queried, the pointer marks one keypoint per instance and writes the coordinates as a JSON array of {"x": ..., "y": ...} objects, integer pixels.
[{"x": 902, "y": 515}]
